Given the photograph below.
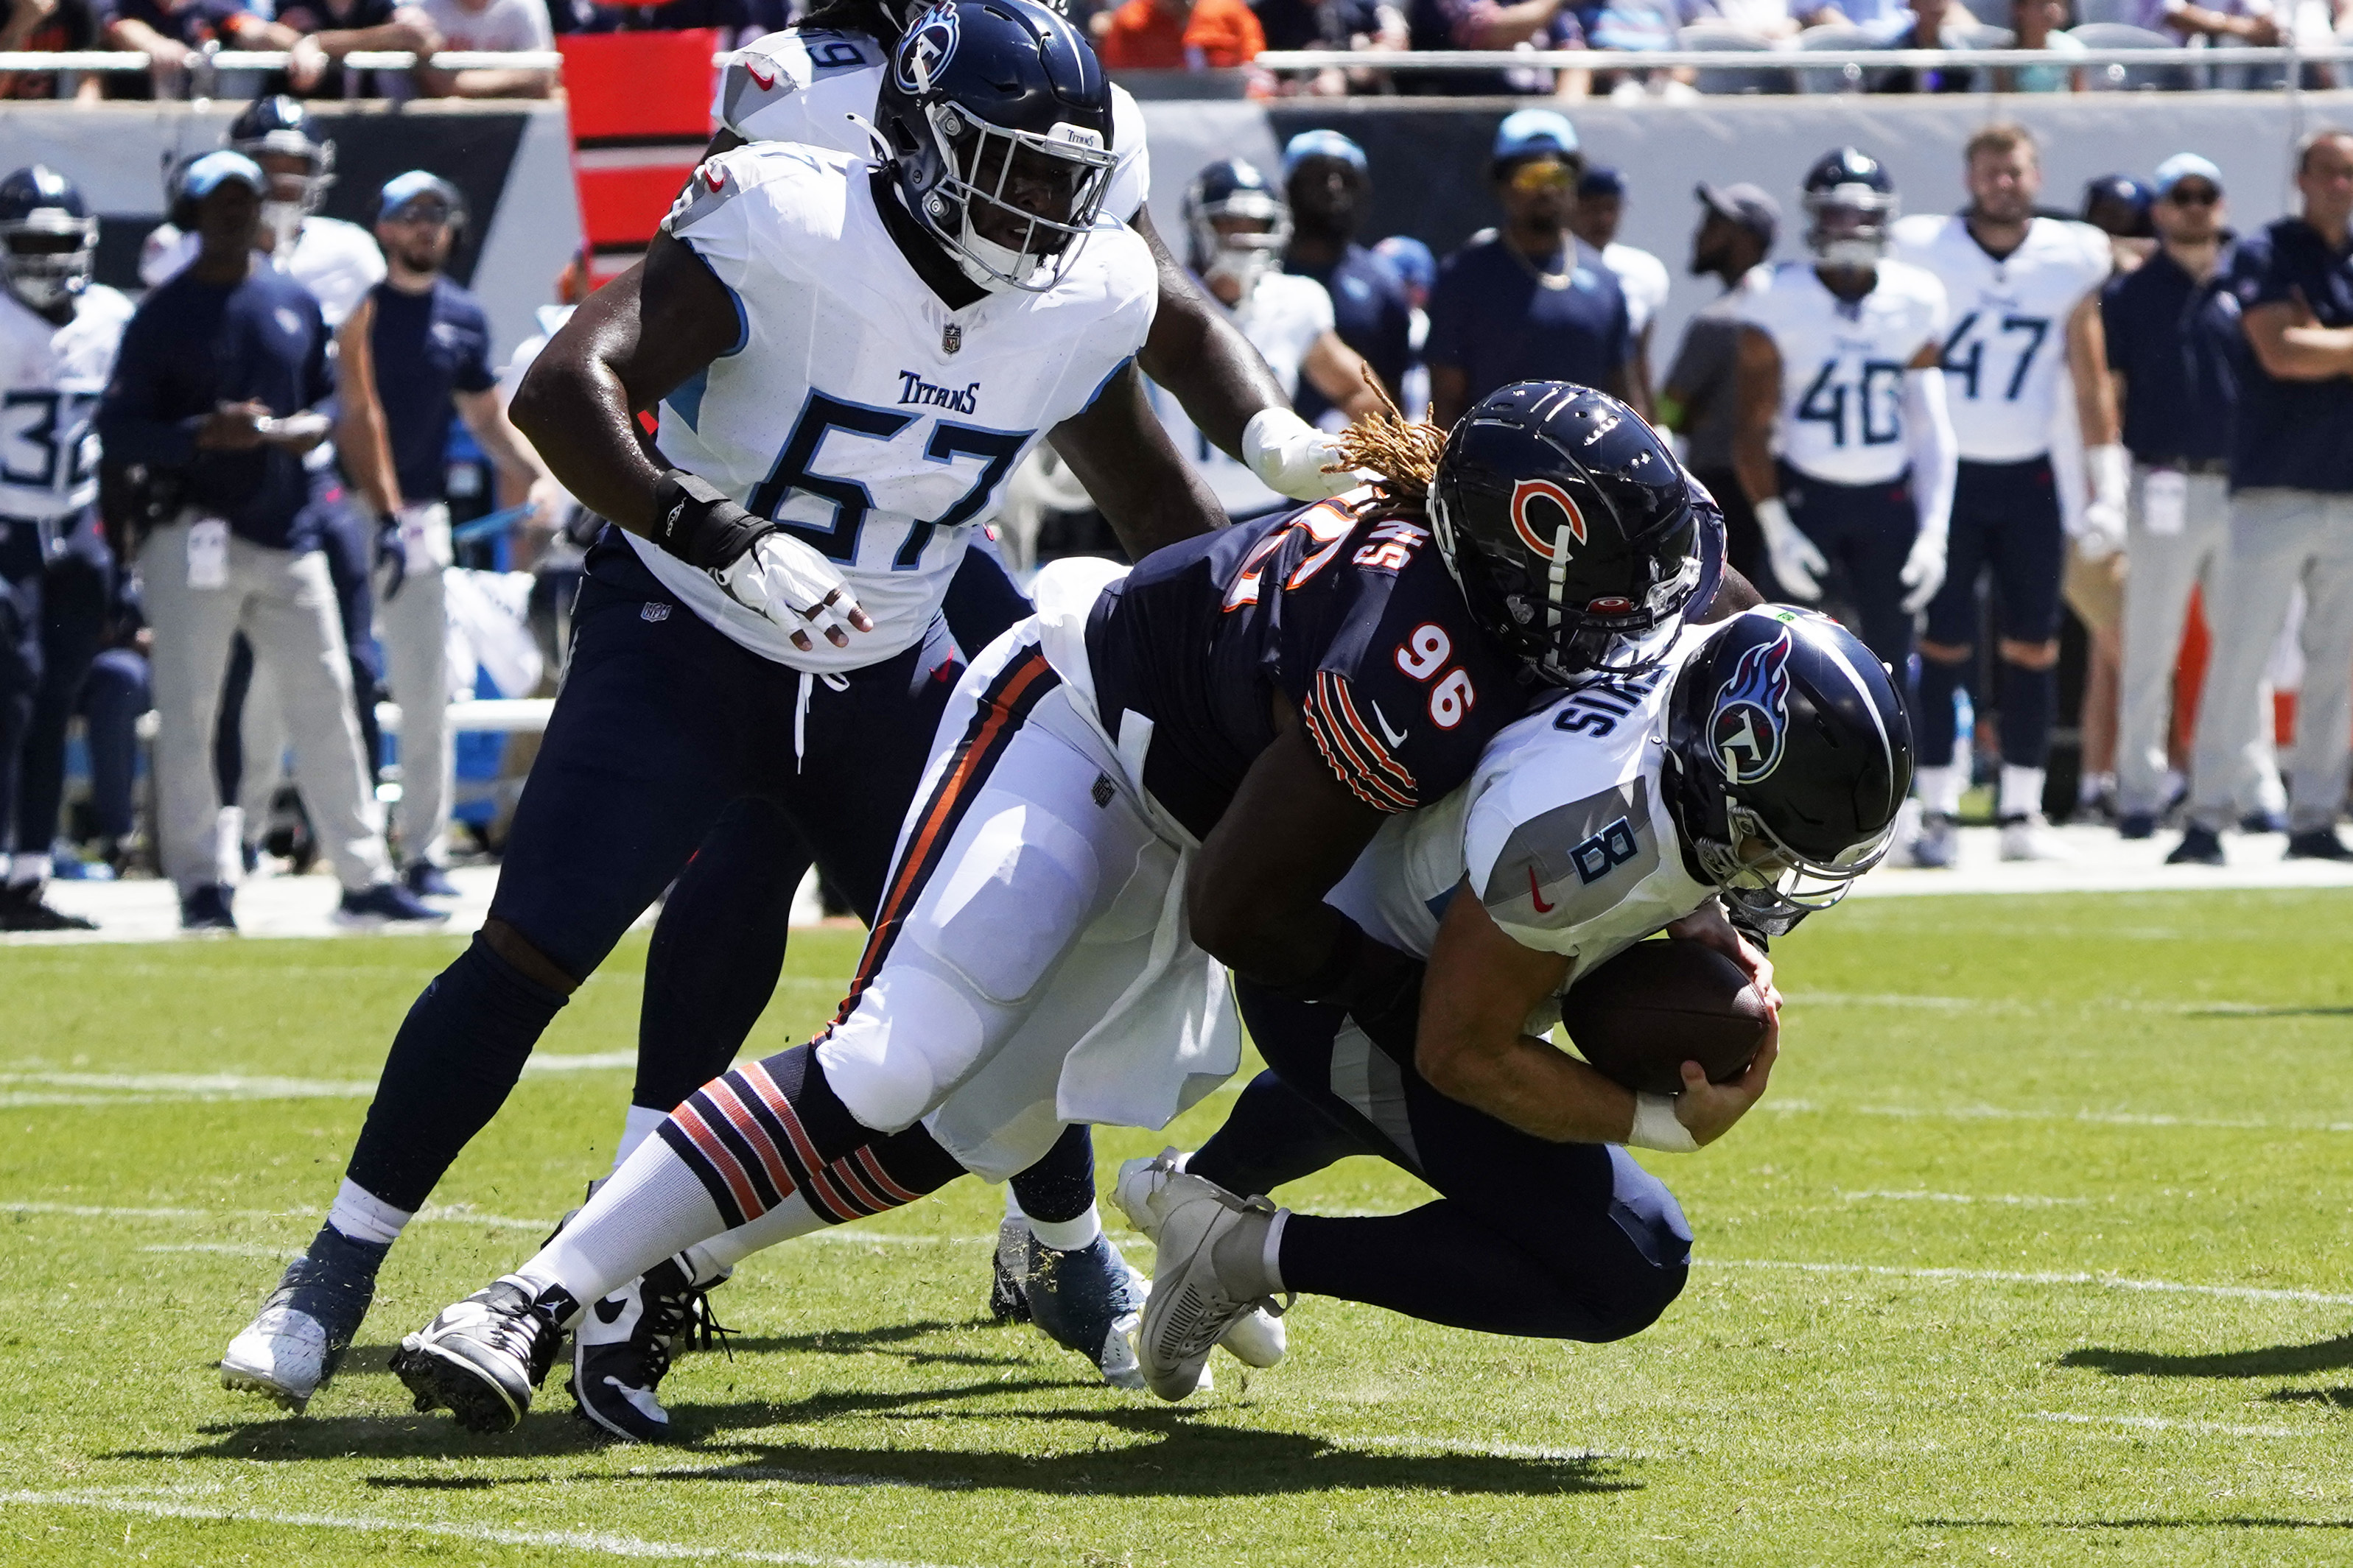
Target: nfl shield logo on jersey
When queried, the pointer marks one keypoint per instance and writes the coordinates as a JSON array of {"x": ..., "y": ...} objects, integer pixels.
[{"x": 1752, "y": 713}]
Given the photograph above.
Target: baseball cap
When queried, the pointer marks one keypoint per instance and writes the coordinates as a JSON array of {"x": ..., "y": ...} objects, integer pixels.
[
  {"x": 2186, "y": 166},
  {"x": 1410, "y": 257},
  {"x": 1602, "y": 181},
  {"x": 1321, "y": 144},
  {"x": 1530, "y": 131},
  {"x": 1745, "y": 205},
  {"x": 417, "y": 185},
  {"x": 207, "y": 174}
]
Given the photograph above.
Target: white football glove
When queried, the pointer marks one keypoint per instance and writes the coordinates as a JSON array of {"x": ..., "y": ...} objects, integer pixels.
[
  {"x": 1796, "y": 562},
  {"x": 1924, "y": 571},
  {"x": 2102, "y": 531},
  {"x": 790, "y": 583},
  {"x": 1292, "y": 457}
]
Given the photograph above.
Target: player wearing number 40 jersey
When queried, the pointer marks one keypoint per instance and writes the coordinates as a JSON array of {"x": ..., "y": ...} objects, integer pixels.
[
  {"x": 1162, "y": 774},
  {"x": 1838, "y": 375},
  {"x": 2024, "y": 293}
]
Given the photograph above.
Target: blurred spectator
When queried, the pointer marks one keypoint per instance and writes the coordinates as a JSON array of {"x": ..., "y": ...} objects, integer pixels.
[
  {"x": 2119, "y": 206},
  {"x": 2176, "y": 352},
  {"x": 1641, "y": 276},
  {"x": 499, "y": 26},
  {"x": 1525, "y": 25},
  {"x": 171, "y": 32},
  {"x": 1771, "y": 20},
  {"x": 739, "y": 21},
  {"x": 1181, "y": 35},
  {"x": 1324, "y": 178},
  {"x": 1532, "y": 301},
  {"x": 1934, "y": 25},
  {"x": 2041, "y": 24},
  {"x": 1636, "y": 27},
  {"x": 1735, "y": 234},
  {"x": 1368, "y": 24},
  {"x": 2291, "y": 514},
  {"x": 2227, "y": 21},
  {"x": 48, "y": 26},
  {"x": 330, "y": 29},
  {"x": 1417, "y": 268}
]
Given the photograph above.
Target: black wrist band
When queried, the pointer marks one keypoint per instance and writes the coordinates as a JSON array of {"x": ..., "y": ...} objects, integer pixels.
[{"x": 695, "y": 523}]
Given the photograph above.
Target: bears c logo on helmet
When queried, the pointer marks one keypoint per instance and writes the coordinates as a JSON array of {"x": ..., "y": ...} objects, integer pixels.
[
  {"x": 1541, "y": 509},
  {"x": 1752, "y": 713},
  {"x": 930, "y": 43}
]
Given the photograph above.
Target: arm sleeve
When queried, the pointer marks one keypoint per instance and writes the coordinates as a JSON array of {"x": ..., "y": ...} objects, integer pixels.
[
  {"x": 1936, "y": 453},
  {"x": 127, "y": 420}
]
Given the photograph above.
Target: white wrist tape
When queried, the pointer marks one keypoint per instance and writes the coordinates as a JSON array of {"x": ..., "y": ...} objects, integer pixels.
[{"x": 1655, "y": 1126}]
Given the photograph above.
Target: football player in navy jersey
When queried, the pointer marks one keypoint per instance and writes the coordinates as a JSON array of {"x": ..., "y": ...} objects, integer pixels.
[{"x": 1161, "y": 773}]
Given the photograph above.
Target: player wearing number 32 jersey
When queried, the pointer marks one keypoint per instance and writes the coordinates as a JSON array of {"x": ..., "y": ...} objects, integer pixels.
[{"x": 1160, "y": 774}]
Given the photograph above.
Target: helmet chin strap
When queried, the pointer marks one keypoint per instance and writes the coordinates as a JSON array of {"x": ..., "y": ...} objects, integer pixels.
[{"x": 884, "y": 152}]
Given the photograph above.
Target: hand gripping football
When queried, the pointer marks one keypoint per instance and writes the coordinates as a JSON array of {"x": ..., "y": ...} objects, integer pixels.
[{"x": 1658, "y": 1004}]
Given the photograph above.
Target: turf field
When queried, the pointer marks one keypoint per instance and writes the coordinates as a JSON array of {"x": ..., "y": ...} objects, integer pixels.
[{"x": 2037, "y": 1251}]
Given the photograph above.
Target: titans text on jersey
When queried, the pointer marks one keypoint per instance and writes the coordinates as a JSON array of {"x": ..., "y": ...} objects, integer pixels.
[{"x": 877, "y": 423}]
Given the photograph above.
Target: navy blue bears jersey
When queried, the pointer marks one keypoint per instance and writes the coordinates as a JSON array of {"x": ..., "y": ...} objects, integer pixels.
[{"x": 1355, "y": 621}]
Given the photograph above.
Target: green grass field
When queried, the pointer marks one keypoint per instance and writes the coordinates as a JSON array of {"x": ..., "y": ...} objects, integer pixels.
[{"x": 2037, "y": 1251}]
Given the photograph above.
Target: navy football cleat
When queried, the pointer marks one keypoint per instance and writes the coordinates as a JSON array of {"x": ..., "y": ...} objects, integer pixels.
[
  {"x": 295, "y": 1342},
  {"x": 206, "y": 908},
  {"x": 386, "y": 903},
  {"x": 1088, "y": 1300},
  {"x": 427, "y": 881},
  {"x": 484, "y": 1357},
  {"x": 625, "y": 1343},
  {"x": 1008, "y": 1300}
]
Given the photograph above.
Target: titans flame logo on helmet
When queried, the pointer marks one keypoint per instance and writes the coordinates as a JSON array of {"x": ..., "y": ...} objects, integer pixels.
[{"x": 1752, "y": 713}]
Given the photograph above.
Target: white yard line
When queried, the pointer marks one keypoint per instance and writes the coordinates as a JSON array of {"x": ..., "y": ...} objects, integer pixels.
[
  {"x": 603, "y": 1542},
  {"x": 2020, "y": 1200},
  {"x": 2008, "y": 1276},
  {"x": 2093, "y": 1117},
  {"x": 1468, "y": 1450},
  {"x": 2160, "y": 1424}
]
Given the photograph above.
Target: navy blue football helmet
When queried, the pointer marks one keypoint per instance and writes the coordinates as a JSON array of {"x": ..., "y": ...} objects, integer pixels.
[
  {"x": 279, "y": 127},
  {"x": 1789, "y": 754},
  {"x": 1578, "y": 539},
  {"x": 999, "y": 119},
  {"x": 1230, "y": 189},
  {"x": 1852, "y": 201},
  {"x": 48, "y": 241}
]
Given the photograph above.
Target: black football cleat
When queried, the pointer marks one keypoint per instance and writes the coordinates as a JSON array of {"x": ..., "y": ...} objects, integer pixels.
[
  {"x": 1089, "y": 1300},
  {"x": 22, "y": 908},
  {"x": 2318, "y": 844},
  {"x": 625, "y": 1343},
  {"x": 2199, "y": 847},
  {"x": 295, "y": 1342},
  {"x": 1008, "y": 1276},
  {"x": 484, "y": 1357}
]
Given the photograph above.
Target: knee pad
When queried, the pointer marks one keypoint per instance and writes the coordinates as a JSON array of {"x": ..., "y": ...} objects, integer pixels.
[
  {"x": 1012, "y": 903},
  {"x": 913, "y": 1035}
]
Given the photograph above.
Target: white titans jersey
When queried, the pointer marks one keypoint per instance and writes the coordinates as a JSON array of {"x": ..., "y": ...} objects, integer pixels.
[
  {"x": 1842, "y": 416},
  {"x": 50, "y": 380},
  {"x": 339, "y": 262},
  {"x": 1282, "y": 315},
  {"x": 2006, "y": 353},
  {"x": 1641, "y": 278},
  {"x": 804, "y": 86},
  {"x": 878, "y": 425},
  {"x": 1562, "y": 831}
]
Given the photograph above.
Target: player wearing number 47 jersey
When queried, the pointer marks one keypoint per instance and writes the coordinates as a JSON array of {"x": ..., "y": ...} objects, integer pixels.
[
  {"x": 1163, "y": 770},
  {"x": 1838, "y": 375},
  {"x": 2024, "y": 293}
]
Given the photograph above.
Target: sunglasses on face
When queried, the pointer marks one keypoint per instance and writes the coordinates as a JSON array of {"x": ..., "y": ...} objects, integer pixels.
[
  {"x": 1542, "y": 175},
  {"x": 2193, "y": 196}
]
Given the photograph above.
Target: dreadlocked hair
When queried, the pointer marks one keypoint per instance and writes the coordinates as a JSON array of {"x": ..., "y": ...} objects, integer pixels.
[{"x": 1401, "y": 454}]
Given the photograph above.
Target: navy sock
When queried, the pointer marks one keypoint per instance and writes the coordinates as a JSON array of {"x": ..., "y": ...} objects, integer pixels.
[
  {"x": 1271, "y": 1136},
  {"x": 2029, "y": 698},
  {"x": 1061, "y": 1185},
  {"x": 456, "y": 1058},
  {"x": 1933, "y": 725},
  {"x": 333, "y": 1281}
]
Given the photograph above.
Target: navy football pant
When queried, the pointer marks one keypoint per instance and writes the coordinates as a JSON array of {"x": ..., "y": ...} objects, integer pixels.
[
  {"x": 77, "y": 589},
  {"x": 2006, "y": 526},
  {"x": 1570, "y": 1241},
  {"x": 20, "y": 652},
  {"x": 1867, "y": 531}
]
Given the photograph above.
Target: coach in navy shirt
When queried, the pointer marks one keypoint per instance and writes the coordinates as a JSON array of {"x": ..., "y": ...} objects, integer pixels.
[
  {"x": 2291, "y": 513},
  {"x": 417, "y": 355},
  {"x": 1532, "y": 301},
  {"x": 215, "y": 389},
  {"x": 1325, "y": 179}
]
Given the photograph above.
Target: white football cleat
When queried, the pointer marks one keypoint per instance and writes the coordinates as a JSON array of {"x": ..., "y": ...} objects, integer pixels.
[
  {"x": 1210, "y": 1274},
  {"x": 281, "y": 1355},
  {"x": 1937, "y": 846},
  {"x": 1257, "y": 1340},
  {"x": 2028, "y": 836}
]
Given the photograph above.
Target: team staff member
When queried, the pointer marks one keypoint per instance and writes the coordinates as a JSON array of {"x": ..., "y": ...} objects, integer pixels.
[
  {"x": 2023, "y": 291},
  {"x": 2291, "y": 514},
  {"x": 2176, "y": 352},
  {"x": 1735, "y": 237},
  {"x": 1641, "y": 276},
  {"x": 1532, "y": 301},
  {"x": 416, "y": 351},
  {"x": 1323, "y": 176},
  {"x": 214, "y": 367}
]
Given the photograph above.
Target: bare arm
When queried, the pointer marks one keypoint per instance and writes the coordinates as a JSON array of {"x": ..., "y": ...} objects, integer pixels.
[
  {"x": 625, "y": 347},
  {"x": 2292, "y": 346},
  {"x": 1756, "y": 402},
  {"x": 1197, "y": 353},
  {"x": 1503, "y": 27},
  {"x": 1337, "y": 371},
  {"x": 2087, "y": 362},
  {"x": 362, "y": 441},
  {"x": 1639, "y": 371},
  {"x": 1450, "y": 394},
  {"x": 1119, "y": 449}
]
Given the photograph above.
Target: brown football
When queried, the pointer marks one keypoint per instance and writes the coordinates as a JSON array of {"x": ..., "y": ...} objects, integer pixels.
[{"x": 1659, "y": 1005}]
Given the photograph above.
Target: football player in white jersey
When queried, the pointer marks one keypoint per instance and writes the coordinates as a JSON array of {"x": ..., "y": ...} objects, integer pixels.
[
  {"x": 58, "y": 334},
  {"x": 337, "y": 261},
  {"x": 847, "y": 360},
  {"x": 2025, "y": 342},
  {"x": 1743, "y": 784},
  {"x": 1237, "y": 225},
  {"x": 1838, "y": 377},
  {"x": 816, "y": 83}
]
